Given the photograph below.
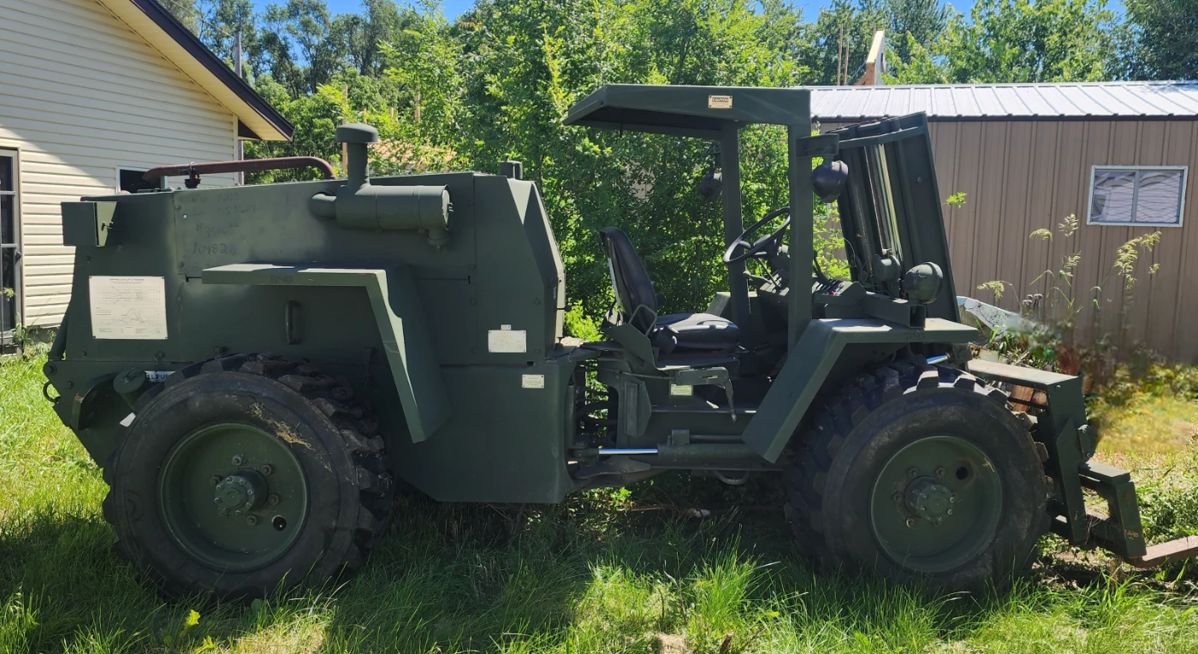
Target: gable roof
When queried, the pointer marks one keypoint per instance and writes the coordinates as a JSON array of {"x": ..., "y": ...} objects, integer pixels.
[
  {"x": 1065, "y": 101},
  {"x": 149, "y": 20}
]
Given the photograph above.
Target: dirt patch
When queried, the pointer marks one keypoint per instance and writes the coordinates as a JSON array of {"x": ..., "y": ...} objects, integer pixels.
[
  {"x": 1074, "y": 569},
  {"x": 670, "y": 644}
]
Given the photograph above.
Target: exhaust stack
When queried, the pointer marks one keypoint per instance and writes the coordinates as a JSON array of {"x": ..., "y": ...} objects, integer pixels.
[{"x": 360, "y": 205}]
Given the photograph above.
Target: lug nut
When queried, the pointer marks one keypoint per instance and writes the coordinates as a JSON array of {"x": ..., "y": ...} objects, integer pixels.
[
  {"x": 266, "y": 469},
  {"x": 939, "y": 471},
  {"x": 910, "y": 522},
  {"x": 218, "y": 500},
  {"x": 237, "y": 460},
  {"x": 251, "y": 520},
  {"x": 897, "y": 497},
  {"x": 949, "y": 512},
  {"x": 912, "y": 473},
  {"x": 216, "y": 479},
  {"x": 272, "y": 499}
]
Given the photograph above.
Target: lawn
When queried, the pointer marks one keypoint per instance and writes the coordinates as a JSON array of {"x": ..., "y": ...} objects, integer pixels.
[{"x": 617, "y": 571}]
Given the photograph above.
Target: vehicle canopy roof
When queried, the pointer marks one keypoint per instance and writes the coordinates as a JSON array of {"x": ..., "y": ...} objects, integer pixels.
[{"x": 699, "y": 111}]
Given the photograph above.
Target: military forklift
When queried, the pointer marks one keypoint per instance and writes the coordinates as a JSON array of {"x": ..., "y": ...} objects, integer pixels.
[{"x": 256, "y": 369}]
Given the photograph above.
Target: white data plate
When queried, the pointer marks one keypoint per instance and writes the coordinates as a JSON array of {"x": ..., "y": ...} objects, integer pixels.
[
  {"x": 506, "y": 340},
  {"x": 532, "y": 381},
  {"x": 128, "y": 308}
]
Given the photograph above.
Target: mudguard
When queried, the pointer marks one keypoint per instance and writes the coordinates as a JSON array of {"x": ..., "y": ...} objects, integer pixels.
[
  {"x": 401, "y": 325},
  {"x": 810, "y": 362}
]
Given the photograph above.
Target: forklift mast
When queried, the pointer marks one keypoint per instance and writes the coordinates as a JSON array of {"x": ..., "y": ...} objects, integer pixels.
[{"x": 890, "y": 211}]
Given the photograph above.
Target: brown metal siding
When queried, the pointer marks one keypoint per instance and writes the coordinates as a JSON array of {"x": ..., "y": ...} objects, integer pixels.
[{"x": 1020, "y": 176}]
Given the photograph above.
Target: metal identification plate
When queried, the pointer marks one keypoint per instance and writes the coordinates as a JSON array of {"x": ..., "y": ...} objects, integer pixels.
[
  {"x": 506, "y": 340},
  {"x": 719, "y": 102},
  {"x": 532, "y": 381},
  {"x": 128, "y": 308}
]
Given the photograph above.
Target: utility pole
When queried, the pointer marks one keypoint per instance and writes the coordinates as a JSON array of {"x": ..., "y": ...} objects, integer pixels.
[{"x": 237, "y": 68}]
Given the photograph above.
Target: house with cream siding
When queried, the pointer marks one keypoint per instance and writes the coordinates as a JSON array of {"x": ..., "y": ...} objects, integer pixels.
[{"x": 92, "y": 94}]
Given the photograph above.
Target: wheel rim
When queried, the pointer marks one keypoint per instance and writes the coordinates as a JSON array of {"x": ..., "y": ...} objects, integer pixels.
[
  {"x": 233, "y": 496},
  {"x": 936, "y": 504}
]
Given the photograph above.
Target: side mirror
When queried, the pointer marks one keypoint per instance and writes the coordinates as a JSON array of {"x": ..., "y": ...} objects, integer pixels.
[{"x": 828, "y": 180}]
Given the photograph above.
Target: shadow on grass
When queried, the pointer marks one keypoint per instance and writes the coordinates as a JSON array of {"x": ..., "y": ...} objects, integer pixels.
[{"x": 607, "y": 571}]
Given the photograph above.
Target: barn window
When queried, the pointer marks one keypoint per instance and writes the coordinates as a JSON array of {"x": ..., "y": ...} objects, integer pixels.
[{"x": 1137, "y": 195}]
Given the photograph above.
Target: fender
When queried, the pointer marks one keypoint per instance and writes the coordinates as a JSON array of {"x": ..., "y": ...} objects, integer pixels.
[
  {"x": 401, "y": 325},
  {"x": 811, "y": 361}
]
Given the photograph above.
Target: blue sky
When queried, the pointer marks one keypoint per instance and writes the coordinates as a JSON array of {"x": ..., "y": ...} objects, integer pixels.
[{"x": 454, "y": 7}]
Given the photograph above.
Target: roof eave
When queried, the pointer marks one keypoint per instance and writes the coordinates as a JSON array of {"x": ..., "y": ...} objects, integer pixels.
[{"x": 178, "y": 45}]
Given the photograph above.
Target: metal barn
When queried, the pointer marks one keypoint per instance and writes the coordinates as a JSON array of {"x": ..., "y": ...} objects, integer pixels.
[{"x": 1117, "y": 155}]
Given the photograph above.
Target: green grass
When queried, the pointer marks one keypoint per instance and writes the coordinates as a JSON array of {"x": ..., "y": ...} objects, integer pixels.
[{"x": 617, "y": 571}]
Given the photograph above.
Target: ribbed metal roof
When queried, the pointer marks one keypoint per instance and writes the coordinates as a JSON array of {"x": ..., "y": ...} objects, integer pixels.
[{"x": 1116, "y": 100}]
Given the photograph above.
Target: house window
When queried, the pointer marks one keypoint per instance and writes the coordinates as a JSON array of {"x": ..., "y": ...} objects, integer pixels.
[
  {"x": 1137, "y": 195},
  {"x": 130, "y": 180},
  {"x": 10, "y": 253}
]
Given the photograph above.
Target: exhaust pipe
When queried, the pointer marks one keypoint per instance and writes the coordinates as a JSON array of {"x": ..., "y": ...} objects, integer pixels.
[{"x": 360, "y": 205}]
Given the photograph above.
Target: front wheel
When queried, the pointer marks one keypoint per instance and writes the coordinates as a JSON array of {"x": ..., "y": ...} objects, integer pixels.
[{"x": 921, "y": 474}]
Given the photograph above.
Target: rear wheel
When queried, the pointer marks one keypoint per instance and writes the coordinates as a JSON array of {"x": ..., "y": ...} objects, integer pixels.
[
  {"x": 921, "y": 474},
  {"x": 248, "y": 474}
]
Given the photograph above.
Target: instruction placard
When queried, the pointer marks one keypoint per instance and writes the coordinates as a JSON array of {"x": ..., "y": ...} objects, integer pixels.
[{"x": 128, "y": 308}]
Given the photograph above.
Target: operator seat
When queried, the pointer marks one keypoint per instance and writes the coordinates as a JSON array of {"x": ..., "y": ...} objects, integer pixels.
[{"x": 638, "y": 301}]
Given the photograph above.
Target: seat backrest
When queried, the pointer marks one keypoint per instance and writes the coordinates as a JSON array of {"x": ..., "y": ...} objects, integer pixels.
[{"x": 629, "y": 279}]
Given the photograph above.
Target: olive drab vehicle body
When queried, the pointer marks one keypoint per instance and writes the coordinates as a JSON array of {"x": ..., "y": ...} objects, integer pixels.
[{"x": 258, "y": 368}]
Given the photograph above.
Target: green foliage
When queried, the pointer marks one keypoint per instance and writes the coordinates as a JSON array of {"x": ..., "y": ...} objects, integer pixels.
[
  {"x": 1160, "y": 40},
  {"x": 1129, "y": 253},
  {"x": 495, "y": 84},
  {"x": 1016, "y": 41},
  {"x": 915, "y": 24},
  {"x": 1148, "y": 378},
  {"x": 1057, "y": 312},
  {"x": 843, "y": 33},
  {"x": 579, "y": 325},
  {"x": 221, "y": 21},
  {"x": 527, "y": 62},
  {"x": 997, "y": 287},
  {"x": 186, "y": 11}
]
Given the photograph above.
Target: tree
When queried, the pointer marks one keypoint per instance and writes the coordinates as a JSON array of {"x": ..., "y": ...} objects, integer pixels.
[
  {"x": 362, "y": 35},
  {"x": 843, "y": 33},
  {"x": 1030, "y": 41},
  {"x": 1161, "y": 41},
  {"x": 299, "y": 31},
  {"x": 221, "y": 21},
  {"x": 918, "y": 22},
  {"x": 184, "y": 11},
  {"x": 1017, "y": 41},
  {"x": 526, "y": 61},
  {"x": 496, "y": 83}
]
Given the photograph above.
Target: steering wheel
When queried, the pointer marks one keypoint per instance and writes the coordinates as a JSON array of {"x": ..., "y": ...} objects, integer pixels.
[{"x": 762, "y": 247}]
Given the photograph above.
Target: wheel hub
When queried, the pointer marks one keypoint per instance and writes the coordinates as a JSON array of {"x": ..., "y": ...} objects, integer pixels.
[
  {"x": 929, "y": 500},
  {"x": 240, "y": 493},
  {"x": 936, "y": 503},
  {"x": 233, "y": 496}
]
